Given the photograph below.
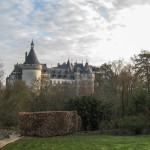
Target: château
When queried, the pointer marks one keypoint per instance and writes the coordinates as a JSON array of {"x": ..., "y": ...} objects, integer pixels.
[{"x": 78, "y": 73}]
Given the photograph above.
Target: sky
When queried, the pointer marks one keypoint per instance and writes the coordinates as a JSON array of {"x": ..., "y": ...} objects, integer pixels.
[{"x": 95, "y": 30}]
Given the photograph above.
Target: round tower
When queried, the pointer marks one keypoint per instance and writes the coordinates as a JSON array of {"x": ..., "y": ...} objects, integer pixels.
[{"x": 31, "y": 69}]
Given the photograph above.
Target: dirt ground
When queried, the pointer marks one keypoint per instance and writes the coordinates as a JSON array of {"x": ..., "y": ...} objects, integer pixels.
[{"x": 13, "y": 137}]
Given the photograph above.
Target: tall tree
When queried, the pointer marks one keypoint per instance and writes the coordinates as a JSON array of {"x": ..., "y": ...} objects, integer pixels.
[
  {"x": 103, "y": 76},
  {"x": 125, "y": 89},
  {"x": 1, "y": 74},
  {"x": 16, "y": 98},
  {"x": 142, "y": 69},
  {"x": 114, "y": 84}
]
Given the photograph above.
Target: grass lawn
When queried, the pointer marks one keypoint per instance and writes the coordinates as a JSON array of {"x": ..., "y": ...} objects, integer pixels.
[{"x": 85, "y": 142}]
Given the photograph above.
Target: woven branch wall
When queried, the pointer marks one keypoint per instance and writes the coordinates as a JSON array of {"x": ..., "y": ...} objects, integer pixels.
[{"x": 51, "y": 123}]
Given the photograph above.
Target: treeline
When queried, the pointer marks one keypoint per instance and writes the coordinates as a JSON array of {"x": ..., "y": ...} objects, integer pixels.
[
  {"x": 42, "y": 96},
  {"x": 121, "y": 96},
  {"x": 125, "y": 85}
]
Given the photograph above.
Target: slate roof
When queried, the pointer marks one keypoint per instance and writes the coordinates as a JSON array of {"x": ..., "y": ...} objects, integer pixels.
[
  {"x": 63, "y": 66},
  {"x": 32, "y": 58},
  {"x": 17, "y": 69},
  {"x": 78, "y": 68},
  {"x": 69, "y": 66}
]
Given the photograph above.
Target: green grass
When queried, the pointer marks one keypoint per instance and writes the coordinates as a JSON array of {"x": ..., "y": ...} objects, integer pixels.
[{"x": 88, "y": 142}]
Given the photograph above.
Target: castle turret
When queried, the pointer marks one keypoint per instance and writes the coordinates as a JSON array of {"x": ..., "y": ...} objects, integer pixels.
[{"x": 31, "y": 69}]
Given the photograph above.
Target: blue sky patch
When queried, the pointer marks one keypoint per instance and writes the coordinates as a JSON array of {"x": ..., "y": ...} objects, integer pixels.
[{"x": 38, "y": 4}]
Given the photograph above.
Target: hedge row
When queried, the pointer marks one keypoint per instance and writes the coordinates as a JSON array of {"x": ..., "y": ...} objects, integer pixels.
[{"x": 51, "y": 123}]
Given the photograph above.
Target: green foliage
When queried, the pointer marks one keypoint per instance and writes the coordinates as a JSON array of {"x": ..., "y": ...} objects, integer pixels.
[
  {"x": 142, "y": 69},
  {"x": 18, "y": 97},
  {"x": 131, "y": 125},
  {"x": 91, "y": 110},
  {"x": 107, "y": 111},
  {"x": 15, "y": 99},
  {"x": 135, "y": 124},
  {"x": 141, "y": 101}
]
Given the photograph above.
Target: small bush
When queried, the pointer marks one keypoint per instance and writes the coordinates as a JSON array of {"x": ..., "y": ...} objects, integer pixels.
[
  {"x": 135, "y": 124},
  {"x": 127, "y": 126}
]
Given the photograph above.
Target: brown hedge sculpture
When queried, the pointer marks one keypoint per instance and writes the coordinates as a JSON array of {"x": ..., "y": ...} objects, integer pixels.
[{"x": 50, "y": 123}]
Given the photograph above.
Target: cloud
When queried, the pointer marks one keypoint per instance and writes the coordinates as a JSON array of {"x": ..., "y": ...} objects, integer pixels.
[
  {"x": 120, "y": 4},
  {"x": 78, "y": 29}
]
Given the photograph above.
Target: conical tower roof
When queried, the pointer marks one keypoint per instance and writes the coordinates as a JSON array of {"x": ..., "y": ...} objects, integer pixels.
[
  {"x": 31, "y": 58},
  {"x": 69, "y": 66}
]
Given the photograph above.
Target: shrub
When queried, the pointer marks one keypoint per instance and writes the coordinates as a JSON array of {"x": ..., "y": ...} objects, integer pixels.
[
  {"x": 141, "y": 101},
  {"x": 91, "y": 110},
  {"x": 135, "y": 124}
]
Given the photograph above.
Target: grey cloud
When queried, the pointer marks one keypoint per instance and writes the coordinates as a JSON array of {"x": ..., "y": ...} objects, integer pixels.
[
  {"x": 60, "y": 28},
  {"x": 120, "y": 4}
]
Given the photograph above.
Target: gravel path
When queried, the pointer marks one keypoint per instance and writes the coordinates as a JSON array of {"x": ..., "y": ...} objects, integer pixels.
[{"x": 13, "y": 137}]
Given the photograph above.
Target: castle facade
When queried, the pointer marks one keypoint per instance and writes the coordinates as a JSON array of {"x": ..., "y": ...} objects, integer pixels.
[{"x": 77, "y": 73}]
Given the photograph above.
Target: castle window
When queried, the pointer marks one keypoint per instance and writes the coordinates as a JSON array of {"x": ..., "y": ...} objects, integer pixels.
[
  {"x": 59, "y": 76},
  {"x": 53, "y": 75},
  {"x": 64, "y": 76}
]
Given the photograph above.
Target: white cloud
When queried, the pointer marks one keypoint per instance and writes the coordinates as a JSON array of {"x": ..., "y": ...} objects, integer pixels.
[{"x": 100, "y": 30}]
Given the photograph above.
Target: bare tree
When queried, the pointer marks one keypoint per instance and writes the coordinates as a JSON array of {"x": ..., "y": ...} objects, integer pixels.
[
  {"x": 1, "y": 74},
  {"x": 125, "y": 89},
  {"x": 114, "y": 84}
]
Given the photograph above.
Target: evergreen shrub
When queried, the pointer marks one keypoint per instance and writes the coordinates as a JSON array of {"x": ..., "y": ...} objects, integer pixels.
[{"x": 91, "y": 109}]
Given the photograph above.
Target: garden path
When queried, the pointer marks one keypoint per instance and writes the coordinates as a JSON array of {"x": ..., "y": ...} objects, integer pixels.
[{"x": 13, "y": 137}]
